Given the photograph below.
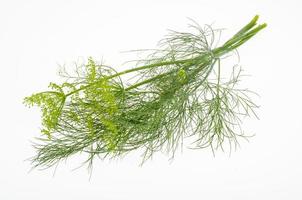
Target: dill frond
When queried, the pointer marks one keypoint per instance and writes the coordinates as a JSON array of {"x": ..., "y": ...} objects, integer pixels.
[{"x": 179, "y": 93}]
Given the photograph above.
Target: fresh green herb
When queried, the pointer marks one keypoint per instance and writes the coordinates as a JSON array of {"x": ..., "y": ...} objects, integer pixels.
[{"x": 179, "y": 93}]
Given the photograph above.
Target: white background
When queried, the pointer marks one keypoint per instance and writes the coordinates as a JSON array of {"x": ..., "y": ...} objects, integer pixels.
[{"x": 36, "y": 36}]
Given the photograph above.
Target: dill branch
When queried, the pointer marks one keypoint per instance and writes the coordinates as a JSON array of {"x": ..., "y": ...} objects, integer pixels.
[{"x": 179, "y": 93}]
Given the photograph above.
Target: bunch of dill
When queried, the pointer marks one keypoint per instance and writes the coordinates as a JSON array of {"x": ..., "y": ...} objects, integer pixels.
[{"x": 178, "y": 93}]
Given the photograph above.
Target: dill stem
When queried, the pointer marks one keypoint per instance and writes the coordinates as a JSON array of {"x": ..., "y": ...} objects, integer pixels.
[
  {"x": 147, "y": 81},
  {"x": 237, "y": 40},
  {"x": 129, "y": 71},
  {"x": 218, "y": 79}
]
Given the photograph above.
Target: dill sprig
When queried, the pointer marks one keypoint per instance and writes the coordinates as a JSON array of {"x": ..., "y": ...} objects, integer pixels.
[{"x": 179, "y": 93}]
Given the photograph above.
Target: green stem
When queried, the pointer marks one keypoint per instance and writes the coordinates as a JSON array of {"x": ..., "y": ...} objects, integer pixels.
[
  {"x": 218, "y": 78},
  {"x": 147, "y": 81},
  {"x": 129, "y": 71},
  {"x": 237, "y": 40}
]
